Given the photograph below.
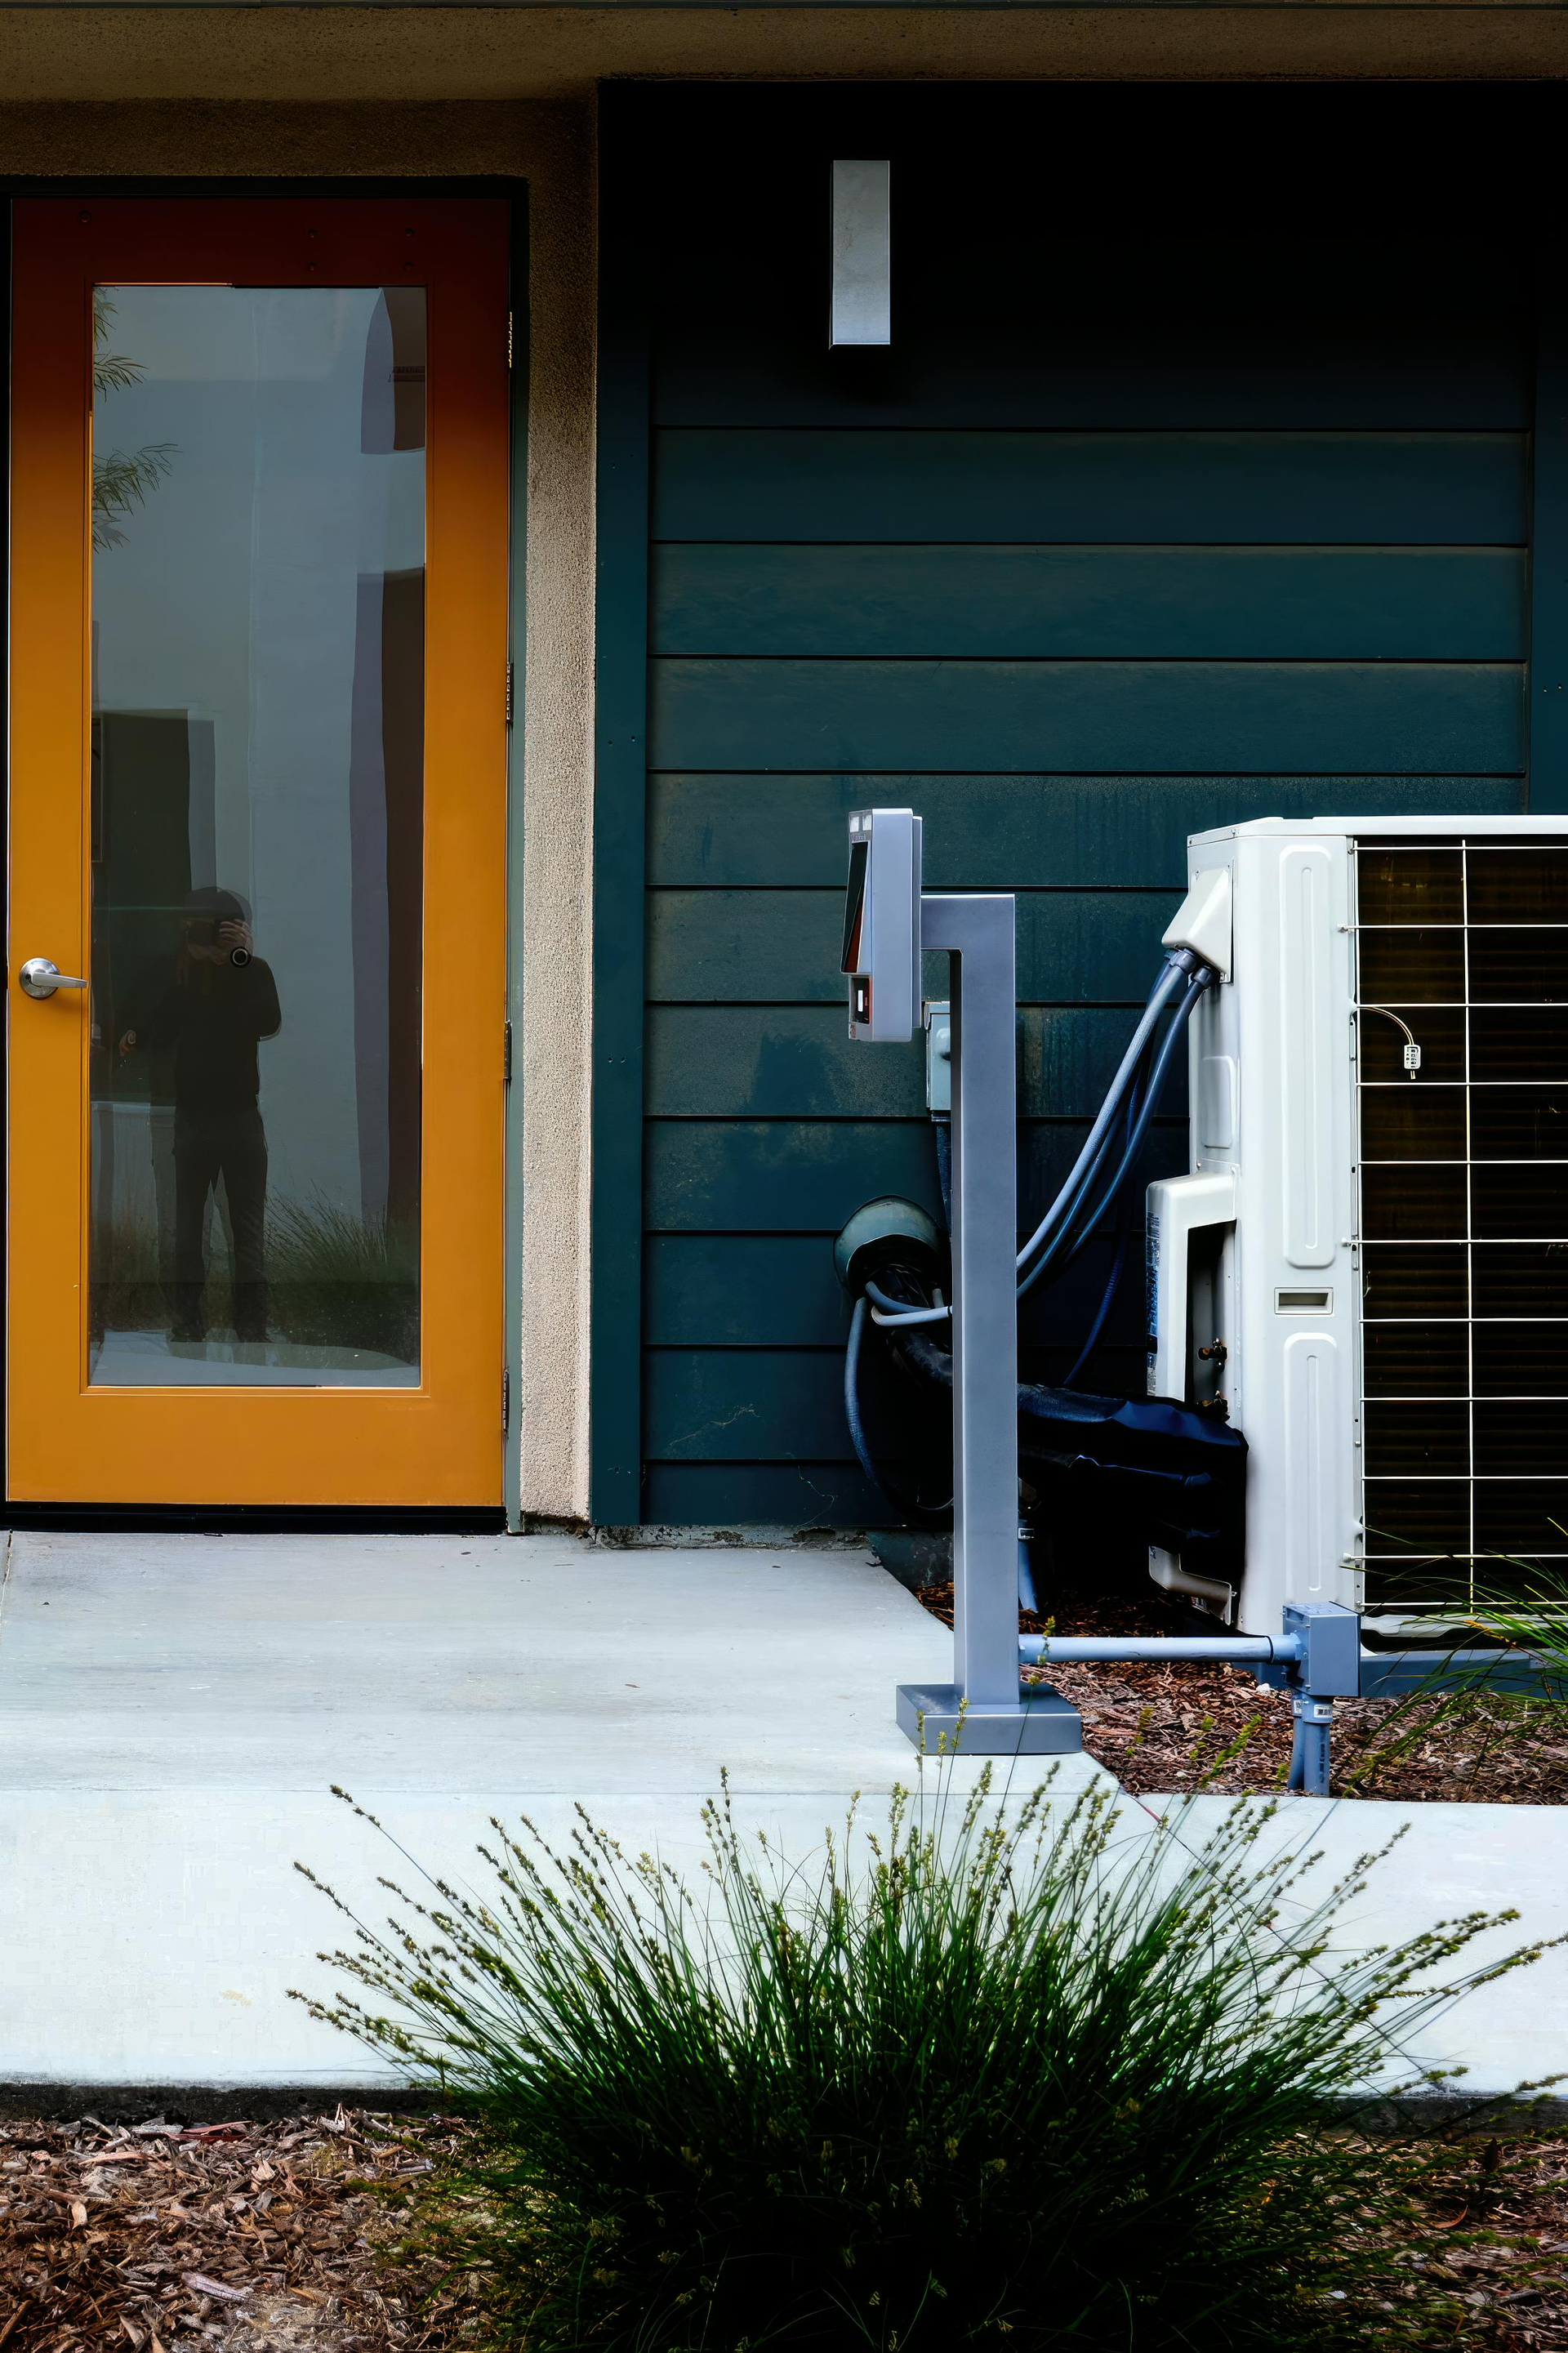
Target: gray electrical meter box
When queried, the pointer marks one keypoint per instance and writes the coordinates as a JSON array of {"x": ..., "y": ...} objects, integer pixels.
[{"x": 882, "y": 924}]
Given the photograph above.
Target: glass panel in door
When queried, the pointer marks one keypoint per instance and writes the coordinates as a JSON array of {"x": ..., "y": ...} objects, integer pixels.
[{"x": 259, "y": 527}]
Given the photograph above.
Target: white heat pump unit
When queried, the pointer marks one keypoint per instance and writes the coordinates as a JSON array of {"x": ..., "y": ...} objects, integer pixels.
[{"x": 1367, "y": 1268}]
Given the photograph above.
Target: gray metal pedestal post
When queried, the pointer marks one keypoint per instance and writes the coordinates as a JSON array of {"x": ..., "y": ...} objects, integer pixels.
[{"x": 984, "y": 1711}]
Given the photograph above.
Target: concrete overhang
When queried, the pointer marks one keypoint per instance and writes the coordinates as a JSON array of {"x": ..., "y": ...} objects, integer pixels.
[{"x": 78, "y": 51}]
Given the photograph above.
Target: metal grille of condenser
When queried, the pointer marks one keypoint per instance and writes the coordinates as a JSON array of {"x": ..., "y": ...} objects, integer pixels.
[{"x": 1463, "y": 1176}]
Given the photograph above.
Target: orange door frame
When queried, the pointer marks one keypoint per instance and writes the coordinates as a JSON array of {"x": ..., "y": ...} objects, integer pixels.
[{"x": 440, "y": 1444}]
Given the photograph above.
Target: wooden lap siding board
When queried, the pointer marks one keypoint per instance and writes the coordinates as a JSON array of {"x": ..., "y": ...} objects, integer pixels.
[{"x": 1201, "y": 499}]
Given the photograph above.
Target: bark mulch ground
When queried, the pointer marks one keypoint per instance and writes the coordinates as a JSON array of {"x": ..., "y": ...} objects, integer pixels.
[
  {"x": 1518, "y": 2289},
  {"x": 1216, "y": 1728},
  {"x": 262, "y": 2238},
  {"x": 243, "y": 2236}
]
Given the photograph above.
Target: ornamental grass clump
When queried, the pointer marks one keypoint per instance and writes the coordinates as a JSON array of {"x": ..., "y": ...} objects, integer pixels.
[{"x": 1028, "y": 2073}]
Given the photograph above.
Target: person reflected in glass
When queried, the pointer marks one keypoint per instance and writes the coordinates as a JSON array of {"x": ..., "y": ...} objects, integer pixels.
[{"x": 208, "y": 1017}]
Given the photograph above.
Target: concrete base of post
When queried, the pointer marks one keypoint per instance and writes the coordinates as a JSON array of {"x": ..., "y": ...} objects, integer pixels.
[{"x": 938, "y": 1719}]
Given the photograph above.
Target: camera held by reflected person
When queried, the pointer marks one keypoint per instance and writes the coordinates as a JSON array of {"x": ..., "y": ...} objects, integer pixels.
[{"x": 207, "y": 935}]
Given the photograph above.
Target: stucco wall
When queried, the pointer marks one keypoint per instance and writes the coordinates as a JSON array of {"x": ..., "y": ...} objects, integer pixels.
[{"x": 550, "y": 146}]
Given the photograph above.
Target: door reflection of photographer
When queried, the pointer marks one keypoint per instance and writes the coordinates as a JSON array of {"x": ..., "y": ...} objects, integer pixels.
[{"x": 208, "y": 1014}]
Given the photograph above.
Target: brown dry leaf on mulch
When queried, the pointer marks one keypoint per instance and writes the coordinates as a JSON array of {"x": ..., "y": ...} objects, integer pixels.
[
  {"x": 247, "y": 2237},
  {"x": 1517, "y": 2287},
  {"x": 1217, "y": 1728}
]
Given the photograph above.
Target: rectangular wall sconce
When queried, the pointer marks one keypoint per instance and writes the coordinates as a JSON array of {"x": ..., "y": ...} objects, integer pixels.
[{"x": 862, "y": 297}]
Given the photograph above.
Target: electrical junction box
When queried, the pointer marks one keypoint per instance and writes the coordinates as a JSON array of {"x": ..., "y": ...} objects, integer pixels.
[
  {"x": 882, "y": 924},
  {"x": 1366, "y": 1266}
]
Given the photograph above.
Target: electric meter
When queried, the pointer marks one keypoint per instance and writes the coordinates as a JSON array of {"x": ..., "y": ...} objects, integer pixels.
[{"x": 882, "y": 924}]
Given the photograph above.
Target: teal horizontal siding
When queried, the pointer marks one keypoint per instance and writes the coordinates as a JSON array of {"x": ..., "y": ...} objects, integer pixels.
[
  {"x": 782, "y": 1291},
  {"x": 1344, "y": 717},
  {"x": 783, "y": 946},
  {"x": 774, "y": 1063},
  {"x": 758, "y": 1405},
  {"x": 1434, "y": 604},
  {"x": 1457, "y": 372},
  {"x": 749, "y": 1405},
  {"x": 710, "y": 1176},
  {"x": 1006, "y": 833},
  {"x": 1111, "y": 255},
  {"x": 1233, "y": 523},
  {"x": 1378, "y": 490},
  {"x": 798, "y": 1062},
  {"x": 802, "y": 1175},
  {"x": 742, "y": 1290},
  {"x": 771, "y": 1495}
]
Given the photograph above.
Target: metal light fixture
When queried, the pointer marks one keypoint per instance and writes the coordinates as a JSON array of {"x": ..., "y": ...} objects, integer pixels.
[{"x": 861, "y": 310}]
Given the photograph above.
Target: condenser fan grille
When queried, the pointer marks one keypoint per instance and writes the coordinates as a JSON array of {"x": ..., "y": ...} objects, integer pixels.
[{"x": 1463, "y": 1170}]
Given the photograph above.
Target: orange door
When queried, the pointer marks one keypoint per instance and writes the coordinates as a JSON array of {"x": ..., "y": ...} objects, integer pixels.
[{"x": 258, "y": 643}]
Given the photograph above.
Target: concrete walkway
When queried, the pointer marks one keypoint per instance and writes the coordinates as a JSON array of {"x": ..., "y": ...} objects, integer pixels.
[{"x": 174, "y": 1712}]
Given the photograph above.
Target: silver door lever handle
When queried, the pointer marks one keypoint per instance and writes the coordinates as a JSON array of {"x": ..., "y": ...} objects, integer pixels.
[{"x": 41, "y": 975}]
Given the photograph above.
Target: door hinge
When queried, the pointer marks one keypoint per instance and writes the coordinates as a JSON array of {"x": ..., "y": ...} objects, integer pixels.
[
  {"x": 509, "y": 326},
  {"x": 510, "y": 677},
  {"x": 506, "y": 1053},
  {"x": 505, "y": 1398}
]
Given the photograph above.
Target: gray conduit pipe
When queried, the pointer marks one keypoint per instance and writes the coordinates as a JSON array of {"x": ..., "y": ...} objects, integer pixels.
[
  {"x": 1245, "y": 1649},
  {"x": 1309, "y": 1770}
]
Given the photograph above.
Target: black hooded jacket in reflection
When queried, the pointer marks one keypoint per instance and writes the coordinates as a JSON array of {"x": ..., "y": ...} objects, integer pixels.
[{"x": 214, "y": 1010}]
